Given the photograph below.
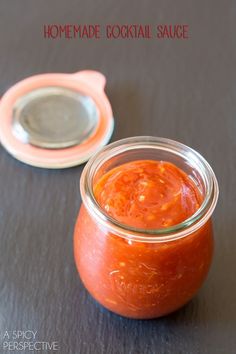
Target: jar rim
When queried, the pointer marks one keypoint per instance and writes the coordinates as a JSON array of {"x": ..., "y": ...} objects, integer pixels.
[{"x": 174, "y": 232}]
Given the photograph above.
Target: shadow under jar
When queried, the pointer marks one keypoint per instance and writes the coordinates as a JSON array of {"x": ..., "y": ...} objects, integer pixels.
[{"x": 144, "y": 273}]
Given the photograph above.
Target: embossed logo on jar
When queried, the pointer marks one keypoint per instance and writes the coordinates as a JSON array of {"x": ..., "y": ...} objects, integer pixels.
[{"x": 131, "y": 283}]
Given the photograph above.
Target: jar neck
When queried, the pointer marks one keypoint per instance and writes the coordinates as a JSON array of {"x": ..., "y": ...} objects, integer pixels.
[{"x": 137, "y": 148}]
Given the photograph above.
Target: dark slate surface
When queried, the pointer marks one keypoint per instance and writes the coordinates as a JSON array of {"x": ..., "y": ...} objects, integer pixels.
[{"x": 185, "y": 90}]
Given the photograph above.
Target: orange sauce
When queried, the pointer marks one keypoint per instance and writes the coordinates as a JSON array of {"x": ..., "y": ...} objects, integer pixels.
[{"x": 142, "y": 279}]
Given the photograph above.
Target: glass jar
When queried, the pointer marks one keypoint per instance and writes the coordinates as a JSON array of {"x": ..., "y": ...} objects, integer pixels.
[{"x": 141, "y": 273}]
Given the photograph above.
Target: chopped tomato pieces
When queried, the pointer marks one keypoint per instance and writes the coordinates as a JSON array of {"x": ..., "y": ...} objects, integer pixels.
[{"x": 148, "y": 194}]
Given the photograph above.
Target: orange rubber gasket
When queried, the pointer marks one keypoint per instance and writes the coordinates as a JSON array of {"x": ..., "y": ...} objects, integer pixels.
[{"x": 88, "y": 82}]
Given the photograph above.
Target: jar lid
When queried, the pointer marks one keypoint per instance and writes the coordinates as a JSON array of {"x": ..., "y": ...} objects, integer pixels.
[{"x": 56, "y": 120}]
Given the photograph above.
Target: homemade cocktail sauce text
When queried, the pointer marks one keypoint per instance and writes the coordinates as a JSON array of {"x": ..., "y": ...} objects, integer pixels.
[{"x": 143, "y": 279}]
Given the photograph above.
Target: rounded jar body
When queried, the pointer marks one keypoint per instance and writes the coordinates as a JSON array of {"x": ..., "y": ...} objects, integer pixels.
[{"x": 144, "y": 273}]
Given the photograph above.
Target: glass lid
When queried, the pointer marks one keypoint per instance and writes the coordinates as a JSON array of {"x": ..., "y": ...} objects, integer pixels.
[{"x": 54, "y": 117}]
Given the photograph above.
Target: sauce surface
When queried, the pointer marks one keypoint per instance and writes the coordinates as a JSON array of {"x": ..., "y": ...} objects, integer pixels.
[{"x": 148, "y": 194}]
